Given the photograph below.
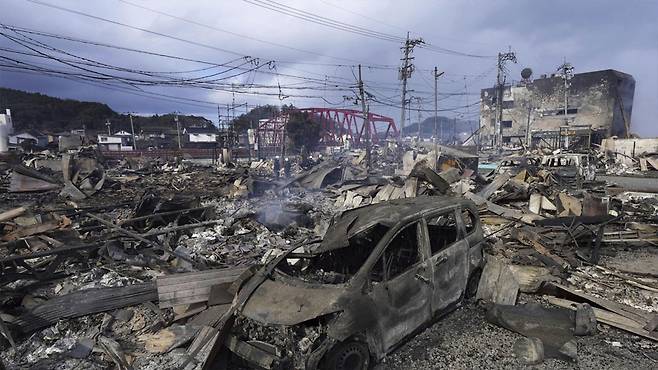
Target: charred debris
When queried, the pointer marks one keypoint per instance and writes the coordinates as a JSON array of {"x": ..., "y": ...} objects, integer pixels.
[{"x": 152, "y": 264}]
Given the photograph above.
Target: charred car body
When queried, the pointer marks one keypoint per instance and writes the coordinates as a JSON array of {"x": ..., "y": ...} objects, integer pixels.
[{"x": 381, "y": 274}]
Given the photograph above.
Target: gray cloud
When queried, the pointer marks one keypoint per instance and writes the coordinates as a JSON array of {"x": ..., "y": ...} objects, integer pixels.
[{"x": 590, "y": 34}]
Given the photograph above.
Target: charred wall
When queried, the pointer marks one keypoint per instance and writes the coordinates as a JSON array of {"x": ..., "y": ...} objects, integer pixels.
[{"x": 593, "y": 100}]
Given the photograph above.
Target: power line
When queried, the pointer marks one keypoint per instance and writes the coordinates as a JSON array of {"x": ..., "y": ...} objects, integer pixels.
[
  {"x": 175, "y": 57},
  {"x": 364, "y": 16},
  {"x": 134, "y": 27},
  {"x": 347, "y": 27},
  {"x": 299, "y": 14},
  {"x": 101, "y": 85},
  {"x": 200, "y": 24},
  {"x": 103, "y": 75}
]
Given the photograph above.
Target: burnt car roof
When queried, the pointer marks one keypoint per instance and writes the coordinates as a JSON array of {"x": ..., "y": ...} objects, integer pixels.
[{"x": 388, "y": 213}]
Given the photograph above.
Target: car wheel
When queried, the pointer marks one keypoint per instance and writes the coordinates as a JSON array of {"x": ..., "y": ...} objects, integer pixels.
[
  {"x": 350, "y": 355},
  {"x": 472, "y": 285}
]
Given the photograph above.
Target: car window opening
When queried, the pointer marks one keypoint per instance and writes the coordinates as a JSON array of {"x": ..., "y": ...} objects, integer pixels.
[
  {"x": 335, "y": 266},
  {"x": 400, "y": 254},
  {"x": 469, "y": 221},
  {"x": 442, "y": 231}
]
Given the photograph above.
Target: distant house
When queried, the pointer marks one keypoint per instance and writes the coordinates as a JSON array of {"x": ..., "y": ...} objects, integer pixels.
[
  {"x": 37, "y": 138},
  {"x": 147, "y": 135},
  {"x": 200, "y": 135},
  {"x": 122, "y": 133},
  {"x": 79, "y": 131},
  {"x": 115, "y": 142}
]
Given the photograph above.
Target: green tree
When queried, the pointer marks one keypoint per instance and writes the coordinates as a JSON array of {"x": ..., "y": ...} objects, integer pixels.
[
  {"x": 302, "y": 130},
  {"x": 245, "y": 121}
]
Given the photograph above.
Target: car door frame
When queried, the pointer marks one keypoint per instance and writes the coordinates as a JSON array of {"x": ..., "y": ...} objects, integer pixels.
[
  {"x": 450, "y": 266},
  {"x": 421, "y": 276}
]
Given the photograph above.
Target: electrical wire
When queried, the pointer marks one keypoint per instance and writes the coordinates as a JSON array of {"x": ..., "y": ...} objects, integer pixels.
[
  {"x": 347, "y": 27},
  {"x": 214, "y": 28}
]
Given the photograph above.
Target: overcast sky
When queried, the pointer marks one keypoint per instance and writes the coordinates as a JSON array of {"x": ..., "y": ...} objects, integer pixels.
[{"x": 591, "y": 34}]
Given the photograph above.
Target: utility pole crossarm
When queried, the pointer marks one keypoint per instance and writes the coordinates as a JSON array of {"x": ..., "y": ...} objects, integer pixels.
[{"x": 406, "y": 70}]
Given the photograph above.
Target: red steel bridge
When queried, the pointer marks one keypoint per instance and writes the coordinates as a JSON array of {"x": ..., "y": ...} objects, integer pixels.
[{"x": 337, "y": 124}]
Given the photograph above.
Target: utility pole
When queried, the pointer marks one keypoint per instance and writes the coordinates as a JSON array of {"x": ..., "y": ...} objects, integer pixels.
[
  {"x": 366, "y": 121},
  {"x": 436, "y": 114},
  {"x": 232, "y": 113},
  {"x": 228, "y": 124},
  {"x": 500, "y": 85},
  {"x": 566, "y": 70},
  {"x": 418, "y": 100},
  {"x": 180, "y": 146},
  {"x": 132, "y": 128},
  {"x": 219, "y": 119},
  {"x": 406, "y": 70},
  {"x": 527, "y": 130}
]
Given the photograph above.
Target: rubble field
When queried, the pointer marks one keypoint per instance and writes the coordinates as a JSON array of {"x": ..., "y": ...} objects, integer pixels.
[{"x": 152, "y": 264}]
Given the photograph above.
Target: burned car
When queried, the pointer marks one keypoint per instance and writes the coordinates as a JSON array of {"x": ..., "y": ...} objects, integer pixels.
[
  {"x": 381, "y": 274},
  {"x": 571, "y": 167},
  {"x": 514, "y": 165}
]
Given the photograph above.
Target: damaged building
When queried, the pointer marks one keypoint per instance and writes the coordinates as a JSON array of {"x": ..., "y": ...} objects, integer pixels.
[{"x": 599, "y": 105}]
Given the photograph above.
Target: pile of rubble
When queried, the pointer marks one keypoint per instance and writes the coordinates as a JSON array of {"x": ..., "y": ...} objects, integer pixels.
[
  {"x": 132, "y": 264},
  {"x": 84, "y": 277}
]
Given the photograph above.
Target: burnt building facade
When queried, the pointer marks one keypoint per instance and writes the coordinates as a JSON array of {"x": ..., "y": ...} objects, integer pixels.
[{"x": 599, "y": 105}]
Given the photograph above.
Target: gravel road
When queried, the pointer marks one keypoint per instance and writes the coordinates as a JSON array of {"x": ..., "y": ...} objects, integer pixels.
[{"x": 464, "y": 340}]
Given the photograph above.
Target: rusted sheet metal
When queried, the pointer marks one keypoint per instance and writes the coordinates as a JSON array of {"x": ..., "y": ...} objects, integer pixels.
[
  {"x": 496, "y": 184},
  {"x": 319, "y": 176},
  {"x": 21, "y": 184},
  {"x": 276, "y": 302}
]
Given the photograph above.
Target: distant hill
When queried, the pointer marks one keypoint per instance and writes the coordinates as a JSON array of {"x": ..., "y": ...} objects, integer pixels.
[
  {"x": 49, "y": 114},
  {"x": 450, "y": 128}
]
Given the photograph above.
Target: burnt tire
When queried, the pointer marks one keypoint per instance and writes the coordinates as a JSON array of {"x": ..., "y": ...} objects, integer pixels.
[
  {"x": 349, "y": 355},
  {"x": 472, "y": 285}
]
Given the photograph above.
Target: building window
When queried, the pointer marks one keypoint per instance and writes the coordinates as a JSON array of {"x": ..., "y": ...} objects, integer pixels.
[{"x": 506, "y": 124}]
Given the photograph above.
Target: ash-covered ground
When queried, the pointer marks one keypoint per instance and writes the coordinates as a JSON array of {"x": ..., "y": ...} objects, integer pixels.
[{"x": 465, "y": 340}]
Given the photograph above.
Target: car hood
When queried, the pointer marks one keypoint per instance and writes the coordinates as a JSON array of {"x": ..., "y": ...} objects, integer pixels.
[{"x": 282, "y": 303}]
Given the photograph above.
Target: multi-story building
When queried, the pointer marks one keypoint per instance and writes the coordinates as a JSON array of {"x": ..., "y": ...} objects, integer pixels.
[
  {"x": 115, "y": 142},
  {"x": 599, "y": 105}
]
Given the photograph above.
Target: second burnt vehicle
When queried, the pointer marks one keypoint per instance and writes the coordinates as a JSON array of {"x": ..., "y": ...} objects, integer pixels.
[{"x": 381, "y": 274}]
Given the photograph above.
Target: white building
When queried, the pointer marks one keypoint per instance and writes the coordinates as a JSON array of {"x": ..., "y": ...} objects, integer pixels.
[
  {"x": 114, "y": 143},
  {"x": 38, "y": 138},
  {"x": 200, "y": 135},
  {"x": 6, "y": 129}
]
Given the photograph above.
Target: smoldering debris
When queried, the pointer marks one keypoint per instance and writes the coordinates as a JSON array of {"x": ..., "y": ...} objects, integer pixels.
[{"x": 138, "y": 263}]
